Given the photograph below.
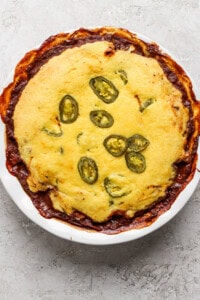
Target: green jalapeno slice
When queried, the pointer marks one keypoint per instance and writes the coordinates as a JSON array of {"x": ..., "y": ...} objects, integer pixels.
[
  {"x": 137, "y": 143},
  {"x": 78, "y": 137},
  {"x": 145, "y": 104},
  {"x": 101, "y": 118},
  {"x": 61, "y": 150},
  {"x": 104, "y": 89},
  {"x": 68, "y": 109},
  {"x": 123, "y": 76},
  {"x": 116, "y": 144},
  {"x": 111, "y": 202},
  {"x": 88, "y": 170},
  {"x": 116, "y": 187},
  {"x": 53, "y": 130},
  {"x": 135, "y": 162}
]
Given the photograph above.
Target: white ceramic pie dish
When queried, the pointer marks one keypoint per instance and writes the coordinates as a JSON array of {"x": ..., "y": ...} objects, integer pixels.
[{"x": 76, "y": 234}]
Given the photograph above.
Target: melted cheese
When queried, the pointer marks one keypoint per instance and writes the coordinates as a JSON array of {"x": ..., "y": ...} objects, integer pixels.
[{"x": 52, "y": 160}]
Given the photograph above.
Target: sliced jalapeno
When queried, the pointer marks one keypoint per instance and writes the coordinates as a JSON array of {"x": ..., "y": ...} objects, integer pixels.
[
  {"x": 116, "y": 186},
  {"x": 111, "y": 202},
  {"x": 88, "y": 170},
  {"x": 115, "y": 144},
  {"x": 68, "y": 109},
  {"x": 145, "y": 104},
  {"x": 55, "y": 131},
  {"x": 104, "y": 89},
  {"x": 123, "y": 76},
  {"x": 78, "y": 137},
  {"x": 101, "y": 118},
  {"x": 61, "y": 150},
  {"x": 135, "y": 162},
  {"x": 137, "y": 143}
]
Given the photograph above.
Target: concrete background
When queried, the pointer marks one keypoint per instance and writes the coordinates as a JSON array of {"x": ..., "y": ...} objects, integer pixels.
[{"x": 37, "y": 265}]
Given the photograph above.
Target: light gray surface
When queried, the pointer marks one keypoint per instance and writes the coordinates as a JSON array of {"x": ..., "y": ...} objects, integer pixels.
[{"x": 36, "y": 265}]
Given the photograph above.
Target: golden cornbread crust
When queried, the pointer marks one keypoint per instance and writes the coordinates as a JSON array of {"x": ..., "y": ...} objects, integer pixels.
[{"x": 113, "y": 44}]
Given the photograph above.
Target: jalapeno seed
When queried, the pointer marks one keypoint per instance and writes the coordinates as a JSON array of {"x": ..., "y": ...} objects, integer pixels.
[
  {"x": 135, "y": 161},
  {"x": 115, "y": 144},
  {"x": 88, "y": 170},
  {"x": 101, "y": 118},
  {"x": 68, "y": 109},
  {"x": 104, "y": 89},
  {"x": 137, "y": 143}
]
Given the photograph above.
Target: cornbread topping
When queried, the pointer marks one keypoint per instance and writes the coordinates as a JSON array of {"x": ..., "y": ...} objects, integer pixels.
[{"x": 101, "y": 129}]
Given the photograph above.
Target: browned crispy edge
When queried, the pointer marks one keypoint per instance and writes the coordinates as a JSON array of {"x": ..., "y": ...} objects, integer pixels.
[{"x": 122, "y": 39}]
